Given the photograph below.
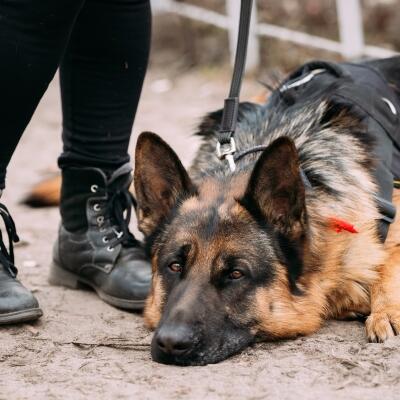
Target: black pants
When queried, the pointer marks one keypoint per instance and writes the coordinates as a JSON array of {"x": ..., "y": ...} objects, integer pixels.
[{"x": 102, "y": 49}]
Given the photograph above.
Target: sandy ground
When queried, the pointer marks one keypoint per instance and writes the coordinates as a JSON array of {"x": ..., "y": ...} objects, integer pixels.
[{"x": 82, "y": 348}]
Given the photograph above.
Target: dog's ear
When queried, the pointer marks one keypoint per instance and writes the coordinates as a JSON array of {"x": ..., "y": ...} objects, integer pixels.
[
  {"x": 160, "y": 180},
  {"x": 276, "y": 189}
]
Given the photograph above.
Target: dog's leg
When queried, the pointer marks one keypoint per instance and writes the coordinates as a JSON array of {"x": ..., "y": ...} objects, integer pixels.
[{"x": 384, "y": 321}]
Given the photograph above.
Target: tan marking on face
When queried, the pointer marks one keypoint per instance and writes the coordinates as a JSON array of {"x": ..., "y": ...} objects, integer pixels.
[
  {"x": 155, "y": 300},
  {"x": 283, "y": 315}
]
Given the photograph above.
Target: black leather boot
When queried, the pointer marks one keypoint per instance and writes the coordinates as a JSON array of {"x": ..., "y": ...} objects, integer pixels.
[
  {"x": 17, "y": 304},
  {"x": 95, "y": 246}
]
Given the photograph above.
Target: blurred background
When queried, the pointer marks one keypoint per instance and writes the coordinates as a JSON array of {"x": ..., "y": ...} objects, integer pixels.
[{"x": 201, "y": 33}]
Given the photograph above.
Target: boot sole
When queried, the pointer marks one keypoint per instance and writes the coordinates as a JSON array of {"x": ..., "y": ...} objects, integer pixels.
[
  {"x": 17, "y": 317},
  {"x": 60, "y": 277}
]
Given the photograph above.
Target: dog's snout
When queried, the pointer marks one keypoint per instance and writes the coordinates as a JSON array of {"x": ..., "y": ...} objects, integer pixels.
[{"x": 175, "y": 340}]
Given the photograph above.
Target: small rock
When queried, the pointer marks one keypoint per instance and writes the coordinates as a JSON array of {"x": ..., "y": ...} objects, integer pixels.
[{"x": 32, "y": 330}]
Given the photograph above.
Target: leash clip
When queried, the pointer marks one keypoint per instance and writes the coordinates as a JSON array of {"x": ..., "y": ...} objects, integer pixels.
[{"x": 226, "y": 152}]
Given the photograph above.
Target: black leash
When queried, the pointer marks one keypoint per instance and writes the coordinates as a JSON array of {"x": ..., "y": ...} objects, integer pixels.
[{"x": 226, "y": 146}]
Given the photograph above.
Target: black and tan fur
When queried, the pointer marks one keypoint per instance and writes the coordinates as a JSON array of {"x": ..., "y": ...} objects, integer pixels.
[
  {"x": 296, "y": 269},
  {"x": 251, "y": 255}
]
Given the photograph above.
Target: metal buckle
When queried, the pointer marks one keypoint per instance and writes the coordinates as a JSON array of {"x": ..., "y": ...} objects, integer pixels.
[
  {"x": 226, "y": 151},
  {"x": 302, "y": 80}
]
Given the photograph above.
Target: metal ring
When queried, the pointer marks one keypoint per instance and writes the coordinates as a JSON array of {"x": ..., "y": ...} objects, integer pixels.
[
  {"x": 100, "y": 219},
  {"x": 105, "y": 240},
  {"x": 96, "y": 207},
  {"x": 109, "y": 248},
  {"x": 93, "y": 188},
  {"x": 226, "y": 148}
]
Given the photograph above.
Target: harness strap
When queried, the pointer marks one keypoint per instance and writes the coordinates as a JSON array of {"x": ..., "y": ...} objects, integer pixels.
[{"x": 226, "y": 143}]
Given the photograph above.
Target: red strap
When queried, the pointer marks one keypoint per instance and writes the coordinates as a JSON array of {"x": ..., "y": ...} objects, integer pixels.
[{"x": 339, "y": 225}]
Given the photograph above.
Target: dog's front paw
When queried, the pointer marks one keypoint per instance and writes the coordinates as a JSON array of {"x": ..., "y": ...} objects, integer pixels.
[{"x": 383, "y": 325}]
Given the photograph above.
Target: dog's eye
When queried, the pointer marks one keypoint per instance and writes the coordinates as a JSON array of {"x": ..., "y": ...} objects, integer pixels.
[
  {"x": 175, "y": 267},
  {"x": 236, "y": 274}
]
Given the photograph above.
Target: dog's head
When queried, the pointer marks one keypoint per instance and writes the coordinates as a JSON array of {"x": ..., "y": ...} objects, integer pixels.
[{"x": 226, "y": 253}]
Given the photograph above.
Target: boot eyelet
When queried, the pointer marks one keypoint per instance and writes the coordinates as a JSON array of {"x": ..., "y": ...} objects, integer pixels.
[
  {"x": 105, "y": 240},
  {"x": 102, "y": 230},
  {"x": 109, "y": 248},
  {"x": 96, "y": 207},
  {"x": 100, "y": 219},
  {"x": 93, "y": 188}
]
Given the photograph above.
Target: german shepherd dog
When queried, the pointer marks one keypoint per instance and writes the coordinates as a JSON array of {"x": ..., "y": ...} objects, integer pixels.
[
  {"x": 256, "y": 254},
  {"x": 259, "y": 254}
]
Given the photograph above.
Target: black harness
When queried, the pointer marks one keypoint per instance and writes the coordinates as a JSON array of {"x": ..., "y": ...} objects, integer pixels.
[
  {"x": 375, "y": 100},
  {"x": 364, "y": 88}
]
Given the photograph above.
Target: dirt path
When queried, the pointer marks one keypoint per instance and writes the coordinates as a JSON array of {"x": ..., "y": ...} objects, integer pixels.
[{"x": 83, "y": 348}]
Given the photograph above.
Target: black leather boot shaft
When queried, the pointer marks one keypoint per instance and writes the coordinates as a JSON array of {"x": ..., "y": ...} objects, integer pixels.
[
  {"x": 78, "y": 186},
  {"x": 95, "y": 246}
]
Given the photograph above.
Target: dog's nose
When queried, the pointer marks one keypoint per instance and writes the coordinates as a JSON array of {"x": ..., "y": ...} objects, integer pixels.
[{"x": 174, "y": 340}]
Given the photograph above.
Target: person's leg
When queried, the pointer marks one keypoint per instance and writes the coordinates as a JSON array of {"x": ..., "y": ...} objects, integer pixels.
[
  {"x": 33, "y": 36},
  {"x": 101, "y": 80}
]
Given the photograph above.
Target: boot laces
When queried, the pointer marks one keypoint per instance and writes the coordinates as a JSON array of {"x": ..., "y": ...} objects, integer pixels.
[
  {"x": 7, "y": 256},
  {"x": 119, "y": 210}
]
